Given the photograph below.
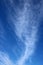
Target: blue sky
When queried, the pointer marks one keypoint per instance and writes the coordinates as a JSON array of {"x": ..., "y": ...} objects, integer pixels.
[{"x": 21, "y": 32}]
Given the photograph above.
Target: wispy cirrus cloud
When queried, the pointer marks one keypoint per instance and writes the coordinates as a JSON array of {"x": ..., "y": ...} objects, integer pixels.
[
  {"x": 25, "y": 29},
  {"x": 4, "y": 59},
  {"x": 29, "y": 48}
]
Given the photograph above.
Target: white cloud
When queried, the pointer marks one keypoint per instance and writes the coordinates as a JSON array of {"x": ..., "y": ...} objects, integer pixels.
[
  {"x": 23, "y": 27},
  {"x": 4, "y": 59},
  {"x": 29, "y": 48},
  {"x": 26, "y": 26}
]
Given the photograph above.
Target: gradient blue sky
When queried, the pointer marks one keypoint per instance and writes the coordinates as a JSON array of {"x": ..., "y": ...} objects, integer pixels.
[{"x": 12, "y": 42}]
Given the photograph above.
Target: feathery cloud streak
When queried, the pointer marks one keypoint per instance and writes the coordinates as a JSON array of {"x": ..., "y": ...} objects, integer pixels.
[
  {"x": 4, "y": 59},
  {"x": 25, "y": 29}
]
